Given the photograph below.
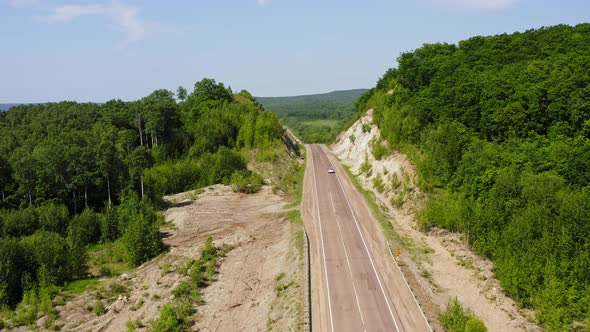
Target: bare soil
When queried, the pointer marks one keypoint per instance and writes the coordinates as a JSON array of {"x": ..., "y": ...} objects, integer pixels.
[
  {"x": 243, "y": 296},
  {"x": 438, "y": 265}
]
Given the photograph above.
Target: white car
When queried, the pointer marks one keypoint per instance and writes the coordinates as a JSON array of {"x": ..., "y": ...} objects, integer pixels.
[{"x": 331, "y": 170}]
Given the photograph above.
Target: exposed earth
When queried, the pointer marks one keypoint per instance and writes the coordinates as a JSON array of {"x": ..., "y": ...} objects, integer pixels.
[
  {"x": 244, "y": 295},
  {"x": 438, "y": 265}
]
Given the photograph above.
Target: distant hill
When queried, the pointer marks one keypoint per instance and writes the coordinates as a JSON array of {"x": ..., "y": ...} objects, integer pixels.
[
  {"x": 315, "y": 118},
  {"x": 316, "y": 106},
  {"x": 4, "y": 107}
]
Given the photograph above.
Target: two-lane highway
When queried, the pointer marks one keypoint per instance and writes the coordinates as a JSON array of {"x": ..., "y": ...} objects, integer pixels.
[{"x": 355, "y": 294}]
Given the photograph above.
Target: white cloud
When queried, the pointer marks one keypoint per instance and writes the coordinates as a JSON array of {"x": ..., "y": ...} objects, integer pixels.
[
  {"x": 24, "y": 3},
  {"x": 67, "y": 13},
  {"x": 479, "y": 4},
  {"x": 126, "y": 17},
  {"x": 263, "y": 2},
  {"x": 123, "y": 16}
]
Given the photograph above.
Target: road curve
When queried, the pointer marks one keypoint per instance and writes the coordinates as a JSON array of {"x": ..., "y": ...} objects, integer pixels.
[{"x": 355, "y": 294}]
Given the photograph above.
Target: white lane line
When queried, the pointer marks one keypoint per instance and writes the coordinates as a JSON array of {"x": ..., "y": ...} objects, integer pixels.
[
  {"x": 367, "y": 250},
  {"x": 333, "y": 206},
  {"x": 413, "y": 295},
  {"x": 317, "y": 203},
  {"x": 358, "y": 304}
]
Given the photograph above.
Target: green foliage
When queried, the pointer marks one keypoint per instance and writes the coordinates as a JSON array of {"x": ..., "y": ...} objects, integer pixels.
[
  {"x": 246, "y": 181},
  {"x": 196, "y": 273},
  {"x": 174, "y": 318},
  {"x": 75, "y": 175},
  {"x": 19, "y": 223},
  {"x": 379, "y": 149},
  {"x": 26, "y": 311},
  {"x": 85, "y": 228},
  {"x": 46, "y": 251},
  {"x": 98, "y": 308},
  {"x": 498, "y": 127},
  {"x": 366, "y": 167},
  {"x": 13, "y": 265},
  {"x": 378, "y": 183},
  {"x": 455, "y": 319},
  {"x": 314, "y": 118},
  {"x": 208, "y": 251}
]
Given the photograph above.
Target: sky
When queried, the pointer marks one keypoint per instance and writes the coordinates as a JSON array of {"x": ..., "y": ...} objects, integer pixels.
[{"x": 98, "y": 50}]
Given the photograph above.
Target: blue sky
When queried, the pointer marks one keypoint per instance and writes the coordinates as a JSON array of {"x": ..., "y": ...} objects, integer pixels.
[{"x": 98, "y": 50}]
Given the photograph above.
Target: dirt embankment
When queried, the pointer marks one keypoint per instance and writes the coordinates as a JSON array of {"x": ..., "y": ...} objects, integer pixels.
[
  {"x": 259, "y": 284},
  {"x": 438, "y": 264}
]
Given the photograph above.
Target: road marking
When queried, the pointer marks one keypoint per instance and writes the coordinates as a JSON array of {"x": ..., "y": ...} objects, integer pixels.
[
  {"x": 315, "y": 188},
  {"x": 413, "y": 295},
  {"x": 358, "y": 305},
  {"x": 366, "y": 248},
  {"x": 333, "y": 207}
]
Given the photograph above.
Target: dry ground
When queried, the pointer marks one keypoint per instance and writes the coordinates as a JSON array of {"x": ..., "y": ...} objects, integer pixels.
[
  {"x": 438, "y": 264},
  {"x": 242, "y": 298}
]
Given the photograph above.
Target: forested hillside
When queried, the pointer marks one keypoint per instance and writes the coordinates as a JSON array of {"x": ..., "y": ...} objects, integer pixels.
[
  {"x": 500, "y": 130},
  {"x": 74, "y": 175},
  {"x": 315, "y": 118}
]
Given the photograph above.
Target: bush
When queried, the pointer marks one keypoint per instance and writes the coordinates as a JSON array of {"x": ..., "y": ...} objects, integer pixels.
[
  {"x": 98, "y": 308},
  {"x": 378, "y": 183},
  {"x": 142, "y": 240},
  {"x": 246, "y": 182},
  {"x": 49, "y": 252},
  {"x": 380, "y": 148},
  {"x": 85, "y": 227},
  {"x": 366, "y": 167},
  {"x": 13, "y": 264},
  {"x": 197, "y": 273},
  {"x": 26, "y": 311},
  {"x": 174, "y": 318},
  {"x": 183, "y": 289},
  {"x": 19, "y": 223},
  {"x": 140, "y": 223},
  {"x": 53, "y": 218},
  {"x": 456, "y": 319}
]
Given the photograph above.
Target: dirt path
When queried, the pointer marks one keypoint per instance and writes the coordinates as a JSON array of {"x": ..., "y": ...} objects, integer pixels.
[{"x": 243, "y": 298}]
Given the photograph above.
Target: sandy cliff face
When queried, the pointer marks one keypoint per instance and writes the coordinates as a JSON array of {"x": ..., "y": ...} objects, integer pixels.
[{"x": 437, "y": 264}]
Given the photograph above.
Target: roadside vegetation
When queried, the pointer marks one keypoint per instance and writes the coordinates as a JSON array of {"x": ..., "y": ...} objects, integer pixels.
[
  {"x": 81, "y": 184},
  {"x": 314, "y": 118},
  {"x": 176, "y": 315},
  {"x": 456, "y": 319},
  {"x": 499, "y": 128}
]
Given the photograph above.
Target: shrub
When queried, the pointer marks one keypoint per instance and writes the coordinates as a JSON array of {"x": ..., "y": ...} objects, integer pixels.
[
  {"x": 197, "y": 273},
  {"x": 366, "y": 167},
  {"x": 380, "y": 148},
  {"x": 456, "y": 319},
  {"x": 98, "y": 308},
  {"x": 378, "y": 183},
  {"x": 246, "y": 182},
  {"x": 174, "y": 318}
]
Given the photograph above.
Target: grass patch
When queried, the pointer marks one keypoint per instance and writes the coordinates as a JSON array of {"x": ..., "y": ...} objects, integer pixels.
[
  {"x": 292, "y": 183},
  {"x": 108, "y": 259},
  {"x": 79, "y": 286},
  {"x": 295, "y": 219}
]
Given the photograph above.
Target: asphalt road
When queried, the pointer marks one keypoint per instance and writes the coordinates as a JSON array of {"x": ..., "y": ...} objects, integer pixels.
[{"x": 356, "y": 295}]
